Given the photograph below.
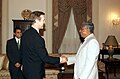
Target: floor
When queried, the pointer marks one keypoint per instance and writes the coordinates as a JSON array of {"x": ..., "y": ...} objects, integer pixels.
[{"x": 111, "y": 75}]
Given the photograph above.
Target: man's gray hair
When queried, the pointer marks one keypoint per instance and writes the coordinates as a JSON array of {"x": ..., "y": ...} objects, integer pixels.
[{"x": 89, "y": 25}]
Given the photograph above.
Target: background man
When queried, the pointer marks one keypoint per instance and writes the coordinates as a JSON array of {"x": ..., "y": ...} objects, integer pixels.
[{"x": 13, "y": 53}]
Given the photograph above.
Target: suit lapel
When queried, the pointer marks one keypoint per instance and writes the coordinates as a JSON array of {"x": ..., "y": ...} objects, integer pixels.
[
  {"x": 85, "y": 43},
  {"x": 15, "y": 43}
]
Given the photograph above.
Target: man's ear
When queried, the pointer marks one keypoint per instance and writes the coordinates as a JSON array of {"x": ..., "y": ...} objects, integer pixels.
[{"x": 36, "y": 20}]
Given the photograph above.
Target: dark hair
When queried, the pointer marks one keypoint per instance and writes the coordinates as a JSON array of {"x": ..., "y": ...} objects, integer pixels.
[
  {"x": 89, "y": 25},
  {"x": 36, "y": 14},
  {"x": 17, "y": 28}
]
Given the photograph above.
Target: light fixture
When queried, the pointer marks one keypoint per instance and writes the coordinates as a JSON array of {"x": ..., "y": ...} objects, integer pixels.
[
  {"x": 116, "y": 21},
  {"x": 111, "y": 42}
]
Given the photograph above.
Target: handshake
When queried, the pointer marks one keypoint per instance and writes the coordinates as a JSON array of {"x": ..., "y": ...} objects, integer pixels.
[{"x": 63, "y": 59}]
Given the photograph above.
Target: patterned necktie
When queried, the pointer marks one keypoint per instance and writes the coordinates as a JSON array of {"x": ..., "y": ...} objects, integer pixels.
[{"x": 18, "y": 44}]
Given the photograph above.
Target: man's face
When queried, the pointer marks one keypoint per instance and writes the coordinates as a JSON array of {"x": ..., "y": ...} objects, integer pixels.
[
  {"x": 40, "y": 22},
  {"x": 18, "y": 33},
  {"x": 84, "y": 32}
]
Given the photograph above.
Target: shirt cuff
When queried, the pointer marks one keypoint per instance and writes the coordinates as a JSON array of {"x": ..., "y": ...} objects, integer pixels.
[{"x": 60, "y": 59}]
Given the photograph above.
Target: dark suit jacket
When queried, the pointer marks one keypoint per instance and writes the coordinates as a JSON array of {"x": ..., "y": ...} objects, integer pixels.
[
  {"x": 35, "y": 55},
  {"x": 14, "y": 56}
]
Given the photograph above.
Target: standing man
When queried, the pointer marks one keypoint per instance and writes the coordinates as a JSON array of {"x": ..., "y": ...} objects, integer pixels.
[
  {"x": 86, "y": 58},
  {"x": 13, "y": 53},
  {"x": 34, "y": 53}
]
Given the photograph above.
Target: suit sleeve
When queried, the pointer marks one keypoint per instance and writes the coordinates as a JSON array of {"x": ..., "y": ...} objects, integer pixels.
[
  {"x": 8, "y": 52},
  {"x": 13, "y": 57},
  {"x": 43, "y": 54},
  {"x": 71, "y": 60}
]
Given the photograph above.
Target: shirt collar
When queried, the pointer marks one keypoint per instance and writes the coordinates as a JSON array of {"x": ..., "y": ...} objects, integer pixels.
[
  {"x": 88, "y": 36},
  {"x": 17, "y": 39},
  {"x": 36, "y": 29}
]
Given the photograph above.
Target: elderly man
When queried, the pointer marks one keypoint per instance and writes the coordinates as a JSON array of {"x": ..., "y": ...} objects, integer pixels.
[{"x": 86, "y": 58}]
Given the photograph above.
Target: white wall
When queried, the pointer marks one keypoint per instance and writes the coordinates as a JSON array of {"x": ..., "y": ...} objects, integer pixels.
[
  {"x": 15, "y": 8},
  {"x": 95, "y": 13},
  {"x": 12, "y": 10},
  {"x": 107, "y": 9},
  {"x": 4, "y": 24}
]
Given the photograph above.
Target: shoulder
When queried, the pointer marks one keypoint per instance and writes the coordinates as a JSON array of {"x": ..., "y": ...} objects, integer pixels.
[
  {"x": 29, "y": 32},
  {"x": 12, "y": 39},
  {"x": 93, "y": 41},
  {"x": 93, "y": 44}
]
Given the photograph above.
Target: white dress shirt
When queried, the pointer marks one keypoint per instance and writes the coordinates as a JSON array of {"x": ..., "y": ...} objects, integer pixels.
[
  {"x": 36, "y": 29},
  {"x": 17, "y": 40}
]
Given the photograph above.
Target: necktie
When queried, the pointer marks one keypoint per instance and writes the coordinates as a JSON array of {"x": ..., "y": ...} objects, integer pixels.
[{"x": 18, "y": 44}]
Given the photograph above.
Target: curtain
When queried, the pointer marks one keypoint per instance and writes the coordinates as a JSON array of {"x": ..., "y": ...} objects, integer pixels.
[
  {"x": 80, "y": 12},
  {"x": 71, "y": 39},
  {"x": 64, "y": 9},
  {"x": 63, "y": 36}
]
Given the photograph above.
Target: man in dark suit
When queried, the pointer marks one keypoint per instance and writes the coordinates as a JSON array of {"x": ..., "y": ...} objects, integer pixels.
[
  {"x": 34, "y": 53},
  {"x": 13, "y": 53}
]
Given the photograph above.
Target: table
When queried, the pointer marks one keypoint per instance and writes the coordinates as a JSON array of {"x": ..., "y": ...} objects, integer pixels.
[
  {"x": 114, "y": 63},
  {"x": 105, "y": 52}
]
